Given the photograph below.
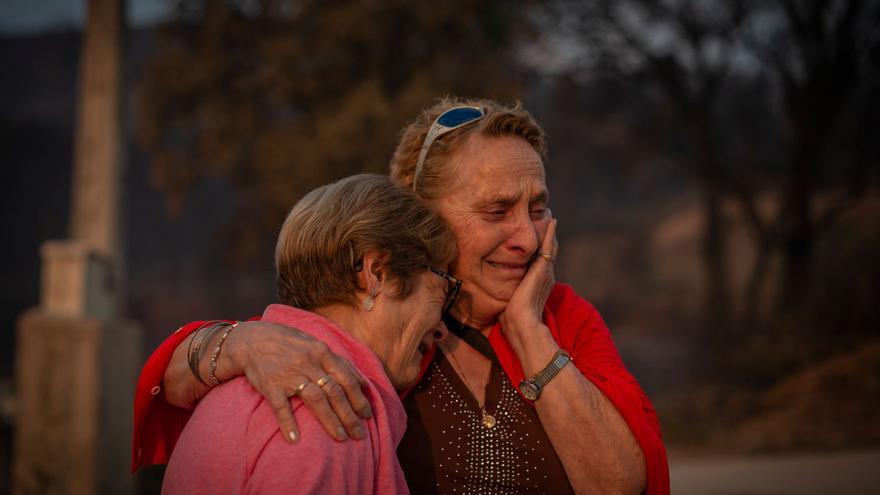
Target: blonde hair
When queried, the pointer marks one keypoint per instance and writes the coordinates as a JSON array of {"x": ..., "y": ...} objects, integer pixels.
[
  {"x": 328, "y": 231},
  {"x": 436, "y": 174}
]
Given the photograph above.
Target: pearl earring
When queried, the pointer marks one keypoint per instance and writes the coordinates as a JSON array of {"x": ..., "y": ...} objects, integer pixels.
[{"x": 370, "y": 300}]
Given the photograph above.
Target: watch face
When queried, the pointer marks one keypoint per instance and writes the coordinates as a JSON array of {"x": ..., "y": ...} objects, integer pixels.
[{"x": 529, "y": 390}]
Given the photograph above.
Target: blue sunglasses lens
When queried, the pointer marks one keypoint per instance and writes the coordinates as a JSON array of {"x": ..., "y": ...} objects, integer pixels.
[{"x": 459, "y": 116}]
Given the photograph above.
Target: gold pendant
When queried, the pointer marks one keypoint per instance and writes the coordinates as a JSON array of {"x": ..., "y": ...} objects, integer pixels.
[{"x": 488, "y": 420}]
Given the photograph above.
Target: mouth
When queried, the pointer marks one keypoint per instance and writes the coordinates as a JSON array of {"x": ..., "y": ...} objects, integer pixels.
[{"x": 512, "y": 268}]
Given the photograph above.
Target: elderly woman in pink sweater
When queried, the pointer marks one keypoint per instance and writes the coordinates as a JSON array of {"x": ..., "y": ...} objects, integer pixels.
[{"x": 359, "y": 268}]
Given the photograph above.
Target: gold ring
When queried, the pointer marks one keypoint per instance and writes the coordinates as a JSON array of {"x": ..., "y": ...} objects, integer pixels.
[
  {"x": 298, "y": 390},
  {"x": 324, "y": 380},
  {"x": 546, "y": 257}
]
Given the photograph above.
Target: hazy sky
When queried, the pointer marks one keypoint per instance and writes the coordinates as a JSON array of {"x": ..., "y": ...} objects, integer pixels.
[{"x": 33, "y": 16}]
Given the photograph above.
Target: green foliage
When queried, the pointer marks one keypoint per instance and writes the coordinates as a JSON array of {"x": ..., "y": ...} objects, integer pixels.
[{"x": 280, "y": 97}]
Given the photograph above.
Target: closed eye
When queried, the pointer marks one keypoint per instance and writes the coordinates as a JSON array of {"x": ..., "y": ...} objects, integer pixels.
[{"x": 496, "y": 213}]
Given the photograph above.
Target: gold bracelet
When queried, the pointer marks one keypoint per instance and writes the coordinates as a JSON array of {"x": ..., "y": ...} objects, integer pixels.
[{"x": 212, "y": 366}]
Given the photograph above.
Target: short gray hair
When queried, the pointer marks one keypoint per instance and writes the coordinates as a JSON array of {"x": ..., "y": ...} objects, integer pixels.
[{"x": 328, "y": 231}]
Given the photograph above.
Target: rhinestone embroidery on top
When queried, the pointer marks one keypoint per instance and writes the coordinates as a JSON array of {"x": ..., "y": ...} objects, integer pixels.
[{"x": 479, "y": 460}]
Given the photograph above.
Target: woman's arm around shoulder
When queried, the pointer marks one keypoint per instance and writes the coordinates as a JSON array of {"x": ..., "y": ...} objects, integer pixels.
[{"x": 276, "y": 359}]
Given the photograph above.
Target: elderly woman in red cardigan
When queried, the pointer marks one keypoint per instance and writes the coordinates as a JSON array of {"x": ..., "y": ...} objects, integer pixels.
[{"x": 528, "y": 393}]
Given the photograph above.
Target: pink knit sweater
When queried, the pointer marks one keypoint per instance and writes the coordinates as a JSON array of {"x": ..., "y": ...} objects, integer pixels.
[{"x": 232, "y": 443}]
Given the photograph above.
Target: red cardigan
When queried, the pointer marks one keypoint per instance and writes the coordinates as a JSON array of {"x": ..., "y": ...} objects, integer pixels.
[{"x": 574, "y": 323}]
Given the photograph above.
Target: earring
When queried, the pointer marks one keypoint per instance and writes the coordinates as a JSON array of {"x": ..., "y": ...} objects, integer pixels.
[{"x": 370, "y": 300}]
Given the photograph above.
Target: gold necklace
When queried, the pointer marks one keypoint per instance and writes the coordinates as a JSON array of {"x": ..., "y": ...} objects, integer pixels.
[{"x": 488, "y": 420}]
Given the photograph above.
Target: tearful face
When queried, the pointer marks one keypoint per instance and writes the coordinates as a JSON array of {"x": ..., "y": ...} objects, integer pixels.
[{"x": 497, "y": 208}]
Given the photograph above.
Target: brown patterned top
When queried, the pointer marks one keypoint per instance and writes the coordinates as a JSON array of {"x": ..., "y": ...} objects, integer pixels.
[{"x": 459, "y": 455}]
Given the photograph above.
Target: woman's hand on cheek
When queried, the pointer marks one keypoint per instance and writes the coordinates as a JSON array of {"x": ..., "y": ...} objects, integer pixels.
[
  {"x": 526, "y": 305},
  {"x": 542, "y": 224}
]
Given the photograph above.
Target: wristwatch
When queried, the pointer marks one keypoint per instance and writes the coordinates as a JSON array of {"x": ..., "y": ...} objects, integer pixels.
[{"x": 531, "y": 388}]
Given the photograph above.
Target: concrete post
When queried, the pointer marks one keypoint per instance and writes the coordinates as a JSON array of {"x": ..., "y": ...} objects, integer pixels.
[{"x": 77, "y": 358}]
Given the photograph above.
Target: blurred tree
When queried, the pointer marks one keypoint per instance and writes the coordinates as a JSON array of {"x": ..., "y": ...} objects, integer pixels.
[
  {"x": 826, "y": 60},
  {"x": 280, "y": 96},
  {"x": 768, "y": 96}
]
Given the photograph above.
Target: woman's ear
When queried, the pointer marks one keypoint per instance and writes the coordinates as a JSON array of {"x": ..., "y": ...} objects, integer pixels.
[{"x": 374, "y": 273}]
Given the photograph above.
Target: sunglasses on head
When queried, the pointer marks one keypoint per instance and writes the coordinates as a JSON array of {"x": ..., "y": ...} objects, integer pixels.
[{"x": 447, "y": 121}]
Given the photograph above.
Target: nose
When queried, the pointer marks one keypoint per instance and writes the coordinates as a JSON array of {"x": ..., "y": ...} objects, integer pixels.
[
  {"x": 523, "y": 235},
  {"x": 441, "y": 332}
]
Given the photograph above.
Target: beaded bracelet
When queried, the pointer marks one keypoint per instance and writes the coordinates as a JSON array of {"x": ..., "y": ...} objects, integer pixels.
[
  {"x": 212, "y": 366},
  {"x": 201, "y": 335}
]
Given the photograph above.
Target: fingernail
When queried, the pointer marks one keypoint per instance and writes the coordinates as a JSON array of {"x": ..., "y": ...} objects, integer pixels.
[
  {"x": 340, "y": 434},
  {"x": 357, "y": 432},
  {"x": 366, "y": 413},
  {"x": 293, "y": 437}
]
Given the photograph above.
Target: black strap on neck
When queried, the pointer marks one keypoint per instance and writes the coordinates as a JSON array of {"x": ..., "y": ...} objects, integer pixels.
[{"x": 471, "y": 336}]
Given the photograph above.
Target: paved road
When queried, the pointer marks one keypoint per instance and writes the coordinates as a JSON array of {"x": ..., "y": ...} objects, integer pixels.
[{"x": 842, "y": 473}]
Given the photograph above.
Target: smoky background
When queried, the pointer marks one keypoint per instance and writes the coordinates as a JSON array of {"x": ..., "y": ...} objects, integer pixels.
[{"x": 713, "y": 166}]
